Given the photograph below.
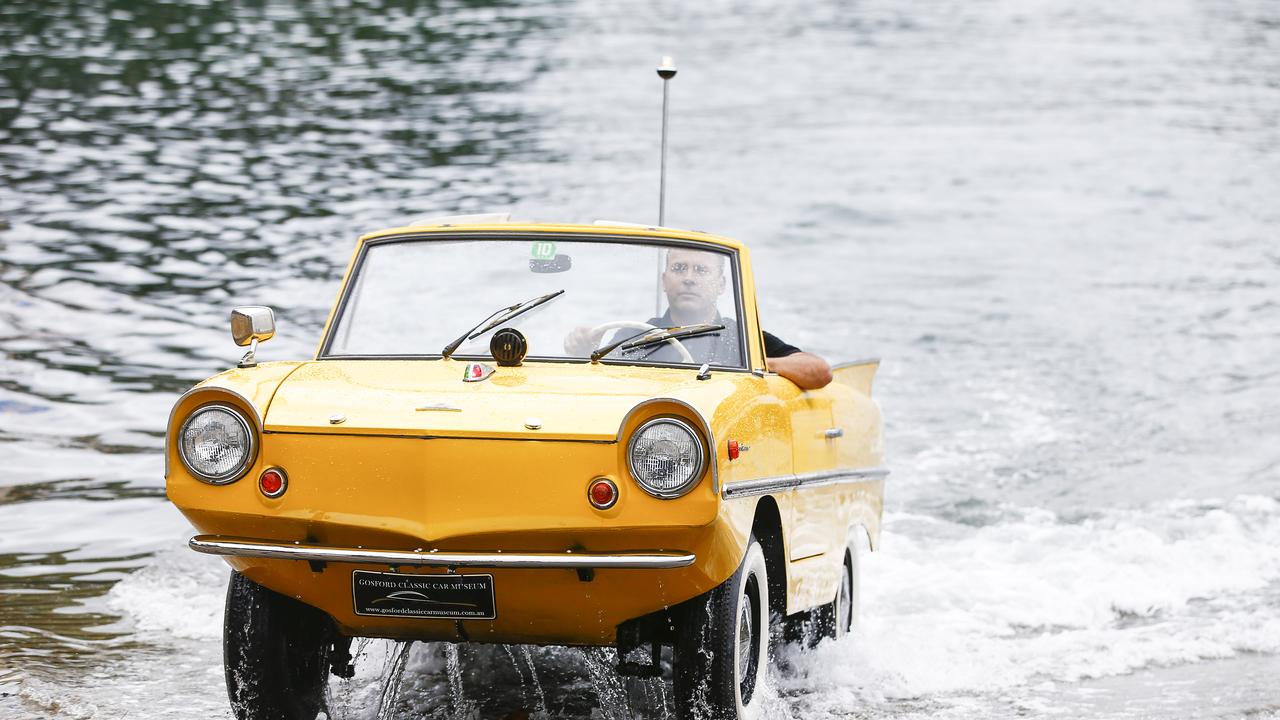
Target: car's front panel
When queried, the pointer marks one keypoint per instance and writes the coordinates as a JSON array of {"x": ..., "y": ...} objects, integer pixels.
[
  {"x": 471, "y": 495},
  {"x": 468, "y": 496}
]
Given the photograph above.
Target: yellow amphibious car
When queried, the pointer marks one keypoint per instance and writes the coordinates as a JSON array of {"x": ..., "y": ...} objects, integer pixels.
[{"x": 425, "y": 477}]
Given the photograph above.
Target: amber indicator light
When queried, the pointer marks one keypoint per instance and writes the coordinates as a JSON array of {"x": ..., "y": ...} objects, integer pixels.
[
  {"x": 733, "y": 450},
  {"x": 602, "y": 494},
  {"x": 273, "y": 482}
]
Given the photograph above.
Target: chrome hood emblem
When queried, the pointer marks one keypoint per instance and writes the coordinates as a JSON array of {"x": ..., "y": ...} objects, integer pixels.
[{"x": 440, "y": 406}]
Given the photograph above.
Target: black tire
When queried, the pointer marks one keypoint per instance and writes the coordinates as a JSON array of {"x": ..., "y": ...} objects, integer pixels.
[
  {"x": 842, "y": 613},
  {"x": 721, "y": 654},
  {"x": 275, "y": 651},
  {"x": 834, "y": 620}
]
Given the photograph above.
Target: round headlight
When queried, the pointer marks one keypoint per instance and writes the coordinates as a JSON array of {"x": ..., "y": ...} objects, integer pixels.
[
  {"x": 216, "y": 444},
  {"x": 666, "y": 457}
]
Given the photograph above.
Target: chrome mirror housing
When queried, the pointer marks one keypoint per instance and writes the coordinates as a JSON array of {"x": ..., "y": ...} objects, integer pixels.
[
  {"x": 252, "y": 322},
  {"x": 250, "y": 325}
]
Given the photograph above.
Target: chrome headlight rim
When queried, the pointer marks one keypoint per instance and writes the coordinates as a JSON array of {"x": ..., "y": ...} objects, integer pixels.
[
  {"x": 250, "y": 456},
  {"x": 694, "y": 477}
]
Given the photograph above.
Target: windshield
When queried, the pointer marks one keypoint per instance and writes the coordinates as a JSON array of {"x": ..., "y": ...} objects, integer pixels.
[{"x": 416, "y": 297}]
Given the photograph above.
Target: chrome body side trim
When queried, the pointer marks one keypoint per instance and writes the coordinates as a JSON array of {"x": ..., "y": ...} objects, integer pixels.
[
  {"x": 765, "y": 486},
  {"x": 247, "y": 547}
]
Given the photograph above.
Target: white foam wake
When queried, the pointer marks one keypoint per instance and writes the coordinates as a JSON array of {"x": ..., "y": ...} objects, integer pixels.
[
  {"x": 951, "y": 614},
  {"x": 178, "y": 594},
  {"x": 952, "y": 610}
]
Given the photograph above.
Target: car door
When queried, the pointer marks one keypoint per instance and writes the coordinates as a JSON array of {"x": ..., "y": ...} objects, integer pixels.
[{"x": 812, "y": 451}]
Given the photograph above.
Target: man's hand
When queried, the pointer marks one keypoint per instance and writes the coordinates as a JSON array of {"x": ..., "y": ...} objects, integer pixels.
[
  {"x": 581, "y": 341},
  {"x": 810, "y": 372}
]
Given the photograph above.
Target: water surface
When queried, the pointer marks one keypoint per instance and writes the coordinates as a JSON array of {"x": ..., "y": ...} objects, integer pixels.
[{"x": 1056, "y": 223}]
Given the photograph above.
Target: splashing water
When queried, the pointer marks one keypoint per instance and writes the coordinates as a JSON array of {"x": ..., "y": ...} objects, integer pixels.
[
  {"x": 600, "y": 665},
  {"x": 462, "y": 709},
  {"x": 393, "y": 676},
  {"x": 533, "y": 675}
]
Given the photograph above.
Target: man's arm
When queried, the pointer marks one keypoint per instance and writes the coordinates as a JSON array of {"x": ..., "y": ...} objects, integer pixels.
[{"x": 810, "y": 372}]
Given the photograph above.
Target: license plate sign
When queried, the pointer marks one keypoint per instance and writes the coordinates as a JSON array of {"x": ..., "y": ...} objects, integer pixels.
[{"x": 462, "y": 597}]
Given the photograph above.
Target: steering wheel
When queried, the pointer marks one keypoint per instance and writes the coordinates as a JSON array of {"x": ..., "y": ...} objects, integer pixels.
[{"x": 636, "y": 325}]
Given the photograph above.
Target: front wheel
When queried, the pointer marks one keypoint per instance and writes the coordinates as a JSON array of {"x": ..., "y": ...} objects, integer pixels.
[
  {"x": 722, "y": 650},
  {"x": 275, "y": 653}
]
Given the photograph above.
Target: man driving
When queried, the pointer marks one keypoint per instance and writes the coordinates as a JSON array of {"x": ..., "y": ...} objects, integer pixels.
[{"x": 693, "y": 281}]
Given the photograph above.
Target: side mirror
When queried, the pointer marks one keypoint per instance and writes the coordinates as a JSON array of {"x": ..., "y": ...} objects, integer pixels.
[
  {"x": 250, "y": 325},
  {"x": 252, "y": 322}
]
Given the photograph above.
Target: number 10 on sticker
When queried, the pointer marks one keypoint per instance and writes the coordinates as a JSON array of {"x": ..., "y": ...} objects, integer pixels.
[{"x": 543, "y": 250}]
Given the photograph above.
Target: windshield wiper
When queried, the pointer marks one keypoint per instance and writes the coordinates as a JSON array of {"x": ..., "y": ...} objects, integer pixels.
[
  {"x": 497, "y": 318},
  {"x": 654, "y": 336}
]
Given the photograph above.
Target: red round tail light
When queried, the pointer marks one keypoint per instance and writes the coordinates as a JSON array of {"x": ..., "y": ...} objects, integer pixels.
[
  {"x": 273, "y": 482},
  {"x": 602, "y": 493}
]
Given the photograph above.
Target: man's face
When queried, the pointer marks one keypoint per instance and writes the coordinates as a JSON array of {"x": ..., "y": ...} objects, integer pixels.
[{"x": 693, "y": 279}]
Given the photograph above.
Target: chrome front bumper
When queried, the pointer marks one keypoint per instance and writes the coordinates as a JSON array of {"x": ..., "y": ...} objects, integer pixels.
[{"x": 247, "y": 547}]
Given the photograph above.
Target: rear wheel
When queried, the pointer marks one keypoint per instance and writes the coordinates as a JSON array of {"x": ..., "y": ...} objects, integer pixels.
[
  {"x": 837, "y": 618},
  {"x": 275, "y": 653},
  {"x": 844, "y": 610},
  {"x": 722, "y": 650},
  {"x": 834, "y": 620}
]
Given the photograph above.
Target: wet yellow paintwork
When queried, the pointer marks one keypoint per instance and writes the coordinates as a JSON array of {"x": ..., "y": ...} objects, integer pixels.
[{"x": 398, "y": 478}]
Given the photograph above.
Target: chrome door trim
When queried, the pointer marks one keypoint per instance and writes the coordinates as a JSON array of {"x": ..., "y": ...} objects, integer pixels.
[
  {"x": 765, "y": 486},
  {"x": 248, "y": 547}
]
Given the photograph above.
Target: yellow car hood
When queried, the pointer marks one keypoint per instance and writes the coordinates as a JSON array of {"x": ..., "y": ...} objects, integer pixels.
[{"x": 568, "y": 401}]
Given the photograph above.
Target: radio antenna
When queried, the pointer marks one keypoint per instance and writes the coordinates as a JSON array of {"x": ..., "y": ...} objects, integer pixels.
[{"x": 666, "y": 71}]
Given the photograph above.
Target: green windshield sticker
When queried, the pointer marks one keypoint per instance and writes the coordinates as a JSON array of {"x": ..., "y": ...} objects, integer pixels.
[{"x": 543, "y": 250}]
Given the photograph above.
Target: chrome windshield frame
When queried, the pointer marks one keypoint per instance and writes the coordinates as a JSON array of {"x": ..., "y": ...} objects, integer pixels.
[{"x": 353, "y": 280}]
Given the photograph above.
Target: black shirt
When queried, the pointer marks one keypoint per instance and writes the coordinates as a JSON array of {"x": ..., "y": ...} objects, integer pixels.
[{"x": 775, "y": 346}]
